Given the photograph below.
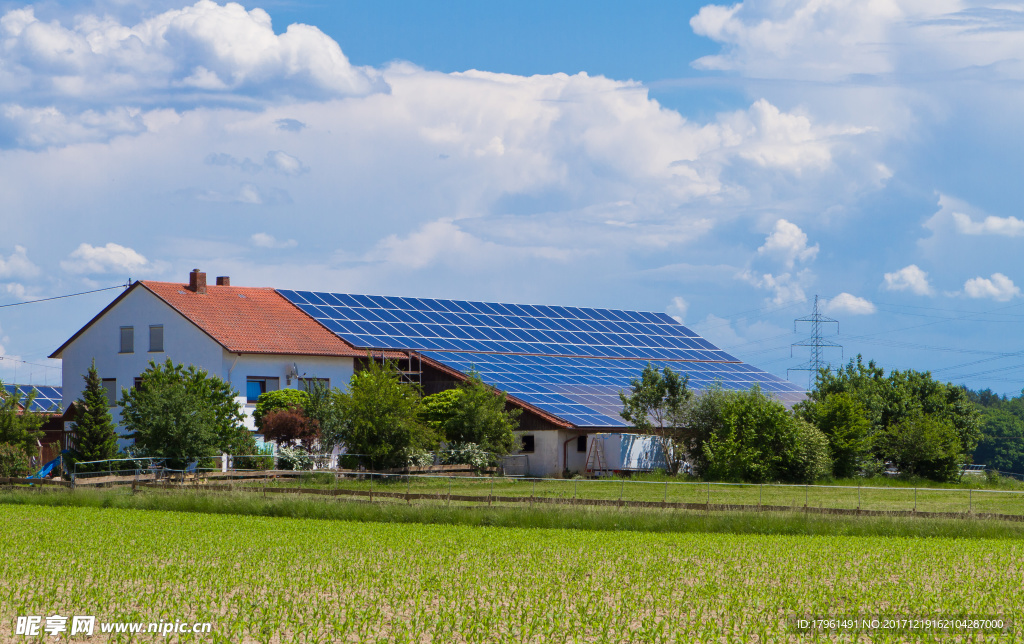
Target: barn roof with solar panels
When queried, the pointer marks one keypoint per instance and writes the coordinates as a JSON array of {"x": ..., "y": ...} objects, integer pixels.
[
  {"x": 48, "y": 399},
  {"x": 565, "y": 366},
  {"x": 567, "y": 361}
]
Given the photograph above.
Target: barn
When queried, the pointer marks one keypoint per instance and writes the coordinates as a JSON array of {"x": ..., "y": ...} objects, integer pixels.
[{"x": 563, "y": 365}]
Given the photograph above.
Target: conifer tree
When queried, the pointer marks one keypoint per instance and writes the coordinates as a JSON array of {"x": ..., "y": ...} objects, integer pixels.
[{"x": 97, "y": 438}]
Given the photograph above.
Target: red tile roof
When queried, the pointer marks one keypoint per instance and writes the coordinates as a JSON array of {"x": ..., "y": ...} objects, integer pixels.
[{"x": 253, "y": 320}]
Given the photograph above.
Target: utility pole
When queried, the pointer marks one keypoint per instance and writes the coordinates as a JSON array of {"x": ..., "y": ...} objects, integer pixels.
[{"x": 815, "y": 342}]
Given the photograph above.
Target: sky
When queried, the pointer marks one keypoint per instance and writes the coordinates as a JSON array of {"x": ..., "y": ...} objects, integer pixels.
[{"x": 724, "y": 163}]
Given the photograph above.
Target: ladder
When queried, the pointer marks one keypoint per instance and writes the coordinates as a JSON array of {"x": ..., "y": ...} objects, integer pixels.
[{"x": 597, "y": 464}]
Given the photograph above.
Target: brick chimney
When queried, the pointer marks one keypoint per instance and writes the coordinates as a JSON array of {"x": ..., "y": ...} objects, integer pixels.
[
  {"x": 197, "y": 281},
  {"x": 224, "y": 280}
]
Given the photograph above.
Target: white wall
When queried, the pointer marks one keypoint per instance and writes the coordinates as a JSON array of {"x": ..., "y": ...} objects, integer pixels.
[
  {"x": 547, "y": 458},
  {"x": 184, "y": 343},
  {"x": 237, "y": 368}
]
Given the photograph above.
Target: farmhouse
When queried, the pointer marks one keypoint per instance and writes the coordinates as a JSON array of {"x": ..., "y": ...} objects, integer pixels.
[{"x": 563, "y": 366}]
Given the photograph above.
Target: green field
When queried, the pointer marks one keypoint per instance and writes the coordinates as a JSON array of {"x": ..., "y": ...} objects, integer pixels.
[
  {"x": 260, "y": 579},
  {"x": 851, "y": 497}
]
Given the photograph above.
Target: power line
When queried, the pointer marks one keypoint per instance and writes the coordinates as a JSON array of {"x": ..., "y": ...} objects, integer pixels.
[{"x": 61, "y": 297}]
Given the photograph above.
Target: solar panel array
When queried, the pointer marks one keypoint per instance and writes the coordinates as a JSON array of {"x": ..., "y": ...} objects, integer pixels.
[
  {"x": 585, "y": 391},
  {"x": 47, "y": 398},
  {"x": 480, "y": 327},
  {"x": 570, "y": 362}
]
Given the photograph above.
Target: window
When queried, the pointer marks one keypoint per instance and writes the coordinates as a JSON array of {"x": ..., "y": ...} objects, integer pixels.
[
  {"x": 527, "y": 443},
  {"x": 305, "y": 384},
  {"x": 256, "y": 385},
  {"x": 156, "y": 337},
  {"x": 127, "y": 339},
  {"x": 581, "y": 444},
  {"x": 138, "y": 383},
  {"x": 110, "y": 386}
]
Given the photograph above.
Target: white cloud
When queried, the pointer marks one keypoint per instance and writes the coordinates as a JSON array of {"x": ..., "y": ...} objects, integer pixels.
[
  {"x": 997, "y": 287},
  {"x": 847, "y": 303},
  {"x": 909, "y": 278},
  {"x": 263, "y": 240},
  {"x": 787, "y": 288},
  {"x": 444, "y": 242},
  {"x": 1004, "y": 226},
  {"x": 275, "y": 161},
  {"x": 112, "y": 258},
  {"x": 814, "y": 40},
  {"x": 677, "y": 309},
  {"x": 247, "y": 193},
  {"x": 284, "y": 163},
  {"x": 788, "y": 244},
  {"x": 206, "y": 49},
  {"x": 17, "y": 264}
]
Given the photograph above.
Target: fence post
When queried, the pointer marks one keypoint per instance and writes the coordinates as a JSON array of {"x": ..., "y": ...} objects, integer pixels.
[
  {"x": 533, "y": 492},
  {"x": 760, "y": 494},
  {"x": 915, "y": 500},
  {"x": 408, "y": 489},
  {"x": 371, "y": 486},
  {"x": 807, "y": 489},
  {"x": 858, "y": 498},
  {"x": 664, "y": 500},
  {"x": 449, "y": 491},
  {"x": 970, "y": 501},
  {"x": 709, "y": 497},
  {"x": 490, "y": 494},
  {"x": 622, "y": 488}
]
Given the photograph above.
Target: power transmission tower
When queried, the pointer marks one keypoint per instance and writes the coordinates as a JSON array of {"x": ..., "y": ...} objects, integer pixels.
[{"x": 815, "y": 342}]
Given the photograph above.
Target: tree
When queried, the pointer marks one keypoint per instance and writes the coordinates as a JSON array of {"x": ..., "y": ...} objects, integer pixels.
[
  {"x": 94, "y": 426},
  {"x": 474, "y": 413},
  {"x": 657, "y": 405},
  {"x": 747, "y": 436},
  {"x": 843, "y": 421},
  {"x": 901, "y": 400},
  {"x": 321, "y": 408},
  {"x": 922, "y": 445},
  {"x": 19, "y": 425},
  {"x": 182, "y": 414},
  {"x": 278, "y": 399},
  {"x": 380, "y": 416},
  {"x": 13, "y": 460},
  {"x": 289, "y": 427},
  {"x": 437, "y": 409},
  {"x": 1002, "y": 440}
]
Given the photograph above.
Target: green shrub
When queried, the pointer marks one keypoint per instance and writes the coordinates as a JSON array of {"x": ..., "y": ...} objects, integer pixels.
[
  {"x": 748, "y": 436},
  {"x": 467, "y": 454},
  {"x": 293, "y": 459},
  {"x": 279, "y": 399},
  {"x": 13, "y": 461}
]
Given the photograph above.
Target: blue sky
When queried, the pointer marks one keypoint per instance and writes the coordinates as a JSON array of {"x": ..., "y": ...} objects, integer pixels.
[{"x": 722, "y": 163}]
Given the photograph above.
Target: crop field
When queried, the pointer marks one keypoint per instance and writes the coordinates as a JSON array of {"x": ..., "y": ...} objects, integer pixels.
[{"x": 259, "y": 579}]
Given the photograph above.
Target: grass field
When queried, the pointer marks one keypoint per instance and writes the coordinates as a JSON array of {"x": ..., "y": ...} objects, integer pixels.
[
  {"x": 260, "y": 579},
  {"x": 880, "y": 495}
]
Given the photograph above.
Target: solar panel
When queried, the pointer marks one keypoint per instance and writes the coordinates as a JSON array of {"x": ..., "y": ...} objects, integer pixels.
[
  {"x": 588, "y": 387},
  {"x": 47, "y": 398},
  {"x": 431, "y": 325},
  {"x": 571, "y": 362}
]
